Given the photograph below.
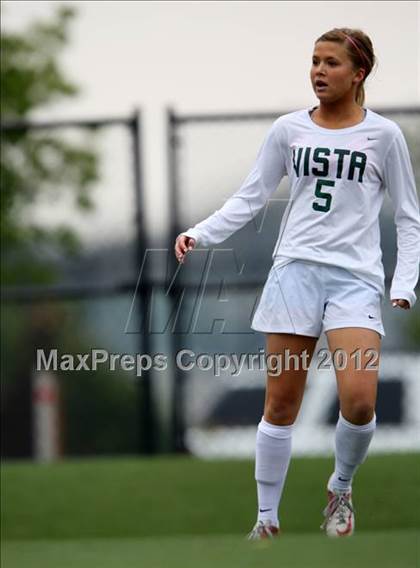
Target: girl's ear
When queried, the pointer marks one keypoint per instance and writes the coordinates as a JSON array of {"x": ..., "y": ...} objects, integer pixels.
[{"x": 360, "y": 75}]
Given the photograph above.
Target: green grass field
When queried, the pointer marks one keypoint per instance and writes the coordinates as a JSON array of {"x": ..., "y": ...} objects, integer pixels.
[
  {"x": 391, "y": 549},
  {"x": 173, "y": 512}
]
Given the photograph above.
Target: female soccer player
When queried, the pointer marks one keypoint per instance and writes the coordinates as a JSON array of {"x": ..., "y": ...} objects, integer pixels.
[{"x": 327, "y": 274}]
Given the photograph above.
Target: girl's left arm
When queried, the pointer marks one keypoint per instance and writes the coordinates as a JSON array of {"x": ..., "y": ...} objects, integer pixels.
[{"x": 400, "y": 182}]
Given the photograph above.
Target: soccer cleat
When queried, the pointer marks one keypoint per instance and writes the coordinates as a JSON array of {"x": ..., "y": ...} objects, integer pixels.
[
  {"x": 339, "y": 514},
  {"x": 262, "y": 530}
]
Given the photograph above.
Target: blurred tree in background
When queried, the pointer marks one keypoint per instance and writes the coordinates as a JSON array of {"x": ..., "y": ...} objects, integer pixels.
[
  {"x": 99, "y": 408},
  {"x": 35, "y": 162}
]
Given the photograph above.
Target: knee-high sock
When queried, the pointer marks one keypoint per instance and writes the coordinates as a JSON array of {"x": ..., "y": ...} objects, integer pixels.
[
  {"x": 351, "y": 448},
  {"x": 272, "y": 457}
]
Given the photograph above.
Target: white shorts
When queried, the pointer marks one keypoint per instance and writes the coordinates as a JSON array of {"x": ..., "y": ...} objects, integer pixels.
[{"x": 306, "y": 298}]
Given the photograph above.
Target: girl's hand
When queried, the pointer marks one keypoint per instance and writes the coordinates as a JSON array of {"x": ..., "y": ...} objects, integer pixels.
[
  {"x": 401, "y": 304},
  {"x": 183, "y": 244}
]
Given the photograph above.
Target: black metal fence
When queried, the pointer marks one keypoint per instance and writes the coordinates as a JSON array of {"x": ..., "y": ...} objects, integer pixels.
[{"x": 95, "y": 289}]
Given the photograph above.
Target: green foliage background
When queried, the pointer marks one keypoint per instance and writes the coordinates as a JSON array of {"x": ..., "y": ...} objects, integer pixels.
[
  {"x": 38, "y": 163},
  {"x": 98, "y": 408}
]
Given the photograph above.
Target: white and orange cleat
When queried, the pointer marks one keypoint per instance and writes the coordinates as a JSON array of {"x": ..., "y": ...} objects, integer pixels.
[
  {"x": 339, "y": 514},
  {"x": 263, "y": 530}
]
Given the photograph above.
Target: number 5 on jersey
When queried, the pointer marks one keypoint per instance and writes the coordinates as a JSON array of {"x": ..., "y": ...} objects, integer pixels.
[{"x": 323, "y": 195}]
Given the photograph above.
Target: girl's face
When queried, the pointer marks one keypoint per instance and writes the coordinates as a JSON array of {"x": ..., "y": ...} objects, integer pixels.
[{"x": 332, "y": 74}]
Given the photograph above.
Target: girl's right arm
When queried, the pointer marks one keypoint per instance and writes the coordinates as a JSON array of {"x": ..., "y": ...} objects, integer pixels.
[{"x": 262, "y": 181}]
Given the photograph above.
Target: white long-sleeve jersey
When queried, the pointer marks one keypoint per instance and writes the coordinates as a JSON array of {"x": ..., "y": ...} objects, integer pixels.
[{"x": 338, "y": 179}]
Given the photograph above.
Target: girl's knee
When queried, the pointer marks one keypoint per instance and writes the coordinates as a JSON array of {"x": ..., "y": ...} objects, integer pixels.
[
  {"x": 358, "y": 412},
  {"x": 280, "y": 412}
]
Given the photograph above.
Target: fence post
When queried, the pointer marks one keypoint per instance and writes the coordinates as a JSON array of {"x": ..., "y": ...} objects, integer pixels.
[
  {"x": 178, "y": 386},
  {"x": 147, "y": 418}
]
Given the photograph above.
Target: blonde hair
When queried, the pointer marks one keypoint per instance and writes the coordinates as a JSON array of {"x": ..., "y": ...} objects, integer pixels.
[{"x": 360, "y": 50}]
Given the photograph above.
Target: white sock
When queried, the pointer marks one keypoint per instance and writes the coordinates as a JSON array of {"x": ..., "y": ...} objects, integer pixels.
[
  {"x": 351, "y": 448},
  {"x": 272, "y": 457}
]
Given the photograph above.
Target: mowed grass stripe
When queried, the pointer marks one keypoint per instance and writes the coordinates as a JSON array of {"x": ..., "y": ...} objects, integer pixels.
[
  {"x": 175, "y": 496},
  {"x": 366, "y": 550}
]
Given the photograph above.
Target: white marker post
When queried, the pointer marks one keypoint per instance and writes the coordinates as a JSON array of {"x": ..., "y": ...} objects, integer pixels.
[{"x": 46, "y": 426}]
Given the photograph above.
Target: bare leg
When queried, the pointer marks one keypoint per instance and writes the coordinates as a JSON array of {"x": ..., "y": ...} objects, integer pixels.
[
  {"x": 356, "y": 382},
  {"x": 284, "y": 392}
]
